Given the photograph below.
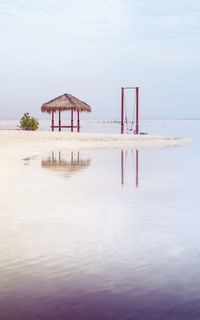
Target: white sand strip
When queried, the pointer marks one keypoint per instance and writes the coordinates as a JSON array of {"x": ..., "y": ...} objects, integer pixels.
[{"x": 91, "y": 140}]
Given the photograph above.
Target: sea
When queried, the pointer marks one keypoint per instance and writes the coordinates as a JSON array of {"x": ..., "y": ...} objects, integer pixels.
[{"x": 104, "y": 235}]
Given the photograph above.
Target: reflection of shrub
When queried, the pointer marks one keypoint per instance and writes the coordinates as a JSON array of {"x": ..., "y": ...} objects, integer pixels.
[{"x": 28, "y": 123}]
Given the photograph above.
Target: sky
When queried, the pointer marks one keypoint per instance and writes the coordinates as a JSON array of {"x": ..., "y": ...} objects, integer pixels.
[{"x": 91, "y": 48}]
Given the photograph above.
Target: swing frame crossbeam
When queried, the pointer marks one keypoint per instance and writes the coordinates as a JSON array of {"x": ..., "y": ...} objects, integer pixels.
[{"x": 137, "y": 108}]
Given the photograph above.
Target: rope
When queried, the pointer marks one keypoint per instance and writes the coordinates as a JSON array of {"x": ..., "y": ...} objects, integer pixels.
[
  {"x": 126, "y": 118},
  {"x": 133, "y": 115}
]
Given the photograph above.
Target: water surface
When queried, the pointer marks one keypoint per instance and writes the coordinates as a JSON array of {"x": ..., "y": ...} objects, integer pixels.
[{"x": 102, "y": 235}]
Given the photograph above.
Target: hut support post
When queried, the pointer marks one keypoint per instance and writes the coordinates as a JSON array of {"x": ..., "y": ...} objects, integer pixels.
[
  {"x": 78, "y": 122},
  {"x": 59, "y": 123},
  {"x": 137, "y": 111},
  {"x": 72, "y": 121},
  {"x": 122, "y": 110},
  {"x": 52, "y": 125}
]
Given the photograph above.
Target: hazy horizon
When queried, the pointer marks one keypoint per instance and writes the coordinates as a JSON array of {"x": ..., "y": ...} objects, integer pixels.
[{"x": 92, "y": 48}]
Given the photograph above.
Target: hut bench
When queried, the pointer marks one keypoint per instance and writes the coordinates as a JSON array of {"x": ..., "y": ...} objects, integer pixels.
[{"x": 72, "y": 126}]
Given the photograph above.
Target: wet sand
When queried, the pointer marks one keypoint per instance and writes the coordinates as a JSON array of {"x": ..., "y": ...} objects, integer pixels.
[
  {"x": 83, "y": 242},
  {"x": 17, "y": 144}
]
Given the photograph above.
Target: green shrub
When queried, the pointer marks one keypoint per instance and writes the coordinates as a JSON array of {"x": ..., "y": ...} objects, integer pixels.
[{"x": 28, "y": 123}]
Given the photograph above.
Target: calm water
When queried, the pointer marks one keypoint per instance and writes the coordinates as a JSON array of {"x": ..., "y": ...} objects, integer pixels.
[
  {"x": 185, "y": 128},
  {"x": 104, "y": 234}
]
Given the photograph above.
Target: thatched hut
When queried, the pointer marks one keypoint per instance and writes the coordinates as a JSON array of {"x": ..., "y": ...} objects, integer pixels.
[{"x": 65, "y": 102}]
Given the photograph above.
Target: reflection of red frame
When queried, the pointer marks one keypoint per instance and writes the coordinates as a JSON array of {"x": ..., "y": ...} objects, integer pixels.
[
  {"x": 136, "y": 167},
  {"x": 137, "y": 108}
]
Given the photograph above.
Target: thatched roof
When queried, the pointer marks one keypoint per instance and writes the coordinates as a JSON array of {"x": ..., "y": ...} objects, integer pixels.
[{"x": 65, "y": 102}]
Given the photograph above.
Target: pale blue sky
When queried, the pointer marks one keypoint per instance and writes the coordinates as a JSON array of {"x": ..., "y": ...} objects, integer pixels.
[{"x": 91, "y": 48}]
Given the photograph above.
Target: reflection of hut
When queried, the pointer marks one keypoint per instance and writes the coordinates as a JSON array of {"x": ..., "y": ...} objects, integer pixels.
[
  {"x": 64, "y": 103},
  {"x": 66, "y": 163}
]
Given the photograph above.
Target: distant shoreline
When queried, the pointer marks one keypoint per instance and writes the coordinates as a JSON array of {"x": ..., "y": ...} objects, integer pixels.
[{"x": 116, "y": 120}]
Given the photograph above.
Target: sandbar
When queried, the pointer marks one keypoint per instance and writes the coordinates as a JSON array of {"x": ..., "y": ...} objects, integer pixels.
[{"x": 18, "y": 144}]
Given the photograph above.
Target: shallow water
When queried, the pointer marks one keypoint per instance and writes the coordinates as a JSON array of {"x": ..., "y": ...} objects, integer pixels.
[
  {"x": 103, "y": 235},
  {"x": 185, "y": 128}
]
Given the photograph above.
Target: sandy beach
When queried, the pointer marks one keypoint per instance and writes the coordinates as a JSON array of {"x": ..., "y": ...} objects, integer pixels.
[
  {"x": 88, "y": 140},
  {"x": 16, "y": 144}
]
